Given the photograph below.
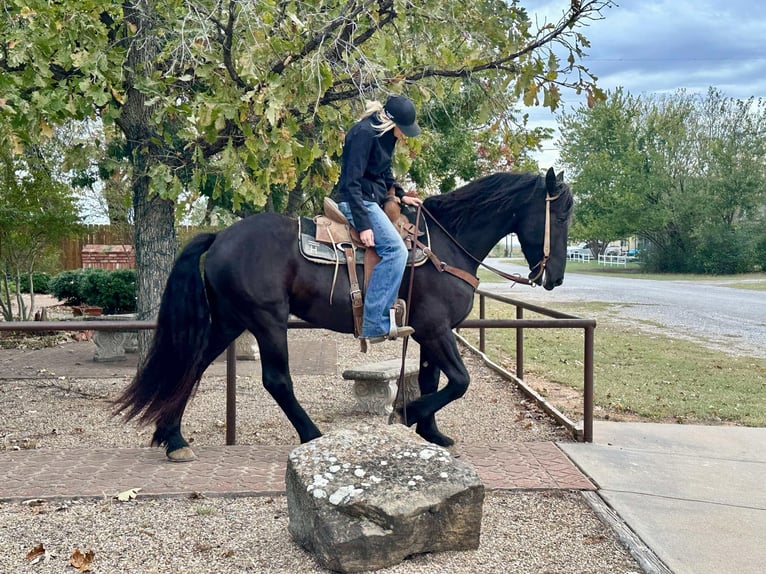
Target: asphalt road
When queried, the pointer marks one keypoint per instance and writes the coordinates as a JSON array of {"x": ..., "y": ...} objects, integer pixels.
[{"x": 710, "y": 312}]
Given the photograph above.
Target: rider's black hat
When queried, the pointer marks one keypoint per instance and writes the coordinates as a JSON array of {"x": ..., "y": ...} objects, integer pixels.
[{"x": 402, "y": 111}]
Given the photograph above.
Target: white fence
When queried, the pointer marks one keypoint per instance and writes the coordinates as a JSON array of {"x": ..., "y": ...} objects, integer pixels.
[
  {"x": 580, "y": 256},
  {"x": 613, "y": 260}
]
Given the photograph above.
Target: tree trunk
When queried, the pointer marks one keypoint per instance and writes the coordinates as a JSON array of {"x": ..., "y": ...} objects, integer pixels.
[
  {"x": 155, "y": 234},
  {"x": 155, "y": 245}
]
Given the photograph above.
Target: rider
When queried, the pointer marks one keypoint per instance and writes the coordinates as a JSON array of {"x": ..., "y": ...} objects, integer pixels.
[{"x": 365, "y": 180}]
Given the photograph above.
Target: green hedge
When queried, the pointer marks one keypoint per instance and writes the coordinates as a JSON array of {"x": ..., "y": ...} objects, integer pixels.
[
  {"x": 41, "y": 281},
  {"x": 113, "y": 291}
]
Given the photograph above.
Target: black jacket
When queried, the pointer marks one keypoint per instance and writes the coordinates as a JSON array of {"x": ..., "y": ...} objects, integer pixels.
[{"x": 366, "y": 169}]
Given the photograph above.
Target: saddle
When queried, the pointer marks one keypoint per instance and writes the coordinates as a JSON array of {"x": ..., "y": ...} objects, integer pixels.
[{"x": 330, "y": 239}]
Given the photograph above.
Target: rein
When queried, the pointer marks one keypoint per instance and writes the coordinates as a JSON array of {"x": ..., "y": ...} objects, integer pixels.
[{"x": 511, "y": 277}]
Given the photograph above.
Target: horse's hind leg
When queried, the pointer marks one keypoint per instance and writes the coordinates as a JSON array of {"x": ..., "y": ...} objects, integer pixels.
[
  {"x": 168, "y": 430},
  {"x": 272, "y": 344}
]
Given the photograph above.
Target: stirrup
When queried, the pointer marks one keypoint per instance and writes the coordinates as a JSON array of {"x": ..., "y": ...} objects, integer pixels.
[
  {"x": 403, "y": 331},
  {"x": 398, "y": 313}
]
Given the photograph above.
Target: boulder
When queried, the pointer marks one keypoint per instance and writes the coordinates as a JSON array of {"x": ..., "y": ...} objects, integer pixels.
[{"x": 367, "y": 497}]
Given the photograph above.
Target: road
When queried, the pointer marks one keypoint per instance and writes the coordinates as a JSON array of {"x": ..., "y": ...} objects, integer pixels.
[{"x": 721, "y": 317}]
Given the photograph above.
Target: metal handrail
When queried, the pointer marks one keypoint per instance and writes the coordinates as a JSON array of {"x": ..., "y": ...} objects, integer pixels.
[{"x": 558, "y": 320}]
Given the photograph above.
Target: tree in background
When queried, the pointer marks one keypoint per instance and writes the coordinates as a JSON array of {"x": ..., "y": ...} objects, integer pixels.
[
  {"x": 36, "y": 211},
  {"x": 95, "y": 164},
  {"x": 732, "y": 184},
  {"x": 462, "y": 142},
  {"x": 684, "y": 172},
  {"x": 251, "y": 97},
  {"x": 601, "y": 153}
]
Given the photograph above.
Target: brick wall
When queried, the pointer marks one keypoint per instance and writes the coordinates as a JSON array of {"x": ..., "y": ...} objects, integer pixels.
[{"x": 108, "y": 257}]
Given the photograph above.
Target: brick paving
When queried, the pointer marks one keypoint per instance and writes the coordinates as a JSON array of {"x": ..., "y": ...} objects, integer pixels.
[
  {"x": 221, "y": 471},
  {"x": 241, "y": 471}
]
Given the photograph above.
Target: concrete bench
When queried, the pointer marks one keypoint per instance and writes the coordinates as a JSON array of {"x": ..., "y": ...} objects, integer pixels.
[
  {"x": 375, "y": 384},
  {"x": 112, "y": 345}
]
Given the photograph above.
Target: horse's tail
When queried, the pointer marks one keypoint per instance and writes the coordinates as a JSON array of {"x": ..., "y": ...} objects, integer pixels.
[{"x": 169, "y": 374}]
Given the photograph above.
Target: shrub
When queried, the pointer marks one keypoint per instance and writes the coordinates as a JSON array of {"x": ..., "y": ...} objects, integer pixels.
[
  {"x": 66, "y": 286},
  {"x": 40, "y": 280},
  {"x": 113, "y": 291}
]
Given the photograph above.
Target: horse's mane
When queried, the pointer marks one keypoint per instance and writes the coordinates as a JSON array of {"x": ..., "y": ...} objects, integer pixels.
[{"x": 458, "y": 207}]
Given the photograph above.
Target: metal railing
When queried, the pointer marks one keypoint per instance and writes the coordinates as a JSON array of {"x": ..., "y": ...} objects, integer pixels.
[{"x": 557, "y": 320}]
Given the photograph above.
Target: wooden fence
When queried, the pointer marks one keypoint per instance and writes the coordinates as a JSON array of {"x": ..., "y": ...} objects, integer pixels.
[{"x": 71, "y": 248}]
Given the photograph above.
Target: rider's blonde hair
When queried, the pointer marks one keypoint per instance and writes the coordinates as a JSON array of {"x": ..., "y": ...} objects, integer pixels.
[{"x": 384, "y": 122}]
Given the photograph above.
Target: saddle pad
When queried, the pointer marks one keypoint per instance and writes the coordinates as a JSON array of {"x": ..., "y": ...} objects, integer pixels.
[{"x": 318, "y": 252}]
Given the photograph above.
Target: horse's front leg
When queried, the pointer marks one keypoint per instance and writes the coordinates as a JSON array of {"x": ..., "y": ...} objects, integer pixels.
[
  {"x": 436, "y": 355},
  {"x": 428, "y": 381}
]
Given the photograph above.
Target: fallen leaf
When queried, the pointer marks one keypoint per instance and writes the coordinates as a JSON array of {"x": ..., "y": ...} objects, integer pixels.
[
  {"x": 36, "y": 553},
  {"x": 128, "y": 495},
  {"x": 81, "y": 561}
]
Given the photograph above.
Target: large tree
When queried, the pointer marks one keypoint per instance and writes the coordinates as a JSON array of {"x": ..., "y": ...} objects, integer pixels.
[{"x": 250, "y": 97}]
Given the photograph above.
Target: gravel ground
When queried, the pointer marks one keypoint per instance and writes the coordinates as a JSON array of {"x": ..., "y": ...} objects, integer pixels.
[{"x": 534, "y": 532}]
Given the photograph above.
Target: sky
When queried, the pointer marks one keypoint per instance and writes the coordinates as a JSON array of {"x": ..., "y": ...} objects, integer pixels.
[{"x": 662, "y": 46}]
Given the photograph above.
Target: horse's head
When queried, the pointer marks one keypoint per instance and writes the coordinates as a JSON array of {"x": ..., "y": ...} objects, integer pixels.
[{"x": 543, "y": 232}]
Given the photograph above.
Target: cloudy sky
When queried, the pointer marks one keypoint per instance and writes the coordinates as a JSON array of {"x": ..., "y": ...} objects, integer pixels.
[{"x": 661, "y": 46}]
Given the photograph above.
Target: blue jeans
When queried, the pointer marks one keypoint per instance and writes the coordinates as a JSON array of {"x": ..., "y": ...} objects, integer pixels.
[{"x": 387, "y": 275}]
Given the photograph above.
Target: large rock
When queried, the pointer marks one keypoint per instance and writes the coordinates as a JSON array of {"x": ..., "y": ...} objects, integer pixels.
[{"x": 367, "y": 497}]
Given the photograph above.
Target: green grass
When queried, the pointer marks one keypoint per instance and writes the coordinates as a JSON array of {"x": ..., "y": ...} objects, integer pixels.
[
  {"x": 754, "y": 286},
  {"x": 636, "y": 372},
  {"x": 487, "y": 276}
]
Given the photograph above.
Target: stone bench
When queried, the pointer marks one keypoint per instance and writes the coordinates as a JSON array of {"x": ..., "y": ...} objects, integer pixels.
[
  {"x": 111, "y": 346},
  {"x": 375, "y": 384}
]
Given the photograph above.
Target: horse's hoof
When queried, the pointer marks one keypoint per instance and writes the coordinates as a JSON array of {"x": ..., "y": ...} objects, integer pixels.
[
  {"x": 183, "y": 454},
  {"x": 437, "y": 438}
]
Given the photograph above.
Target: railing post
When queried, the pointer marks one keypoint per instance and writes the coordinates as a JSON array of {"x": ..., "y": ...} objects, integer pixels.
[
  {"x": 588, "y": 386},
  {"x": 520, "y": 345},
  {"x": 231, "y": 394},
  {"x": 482, "y": 331}
]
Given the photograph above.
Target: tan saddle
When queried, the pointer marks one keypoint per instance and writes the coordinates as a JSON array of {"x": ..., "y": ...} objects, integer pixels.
[{"x": 333, "y": 228}]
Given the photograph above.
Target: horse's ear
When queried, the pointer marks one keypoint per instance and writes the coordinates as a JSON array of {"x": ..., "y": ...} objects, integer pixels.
[
  {"x": 550, "y": 179},
  {"x": 560, "y": 177}
]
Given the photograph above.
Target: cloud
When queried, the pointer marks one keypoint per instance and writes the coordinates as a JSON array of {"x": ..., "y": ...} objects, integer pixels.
[{"x": 662, "y": 46}]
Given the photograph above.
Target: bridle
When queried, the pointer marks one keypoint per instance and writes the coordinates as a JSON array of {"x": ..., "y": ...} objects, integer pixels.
[{"x": 516, "y": 278}]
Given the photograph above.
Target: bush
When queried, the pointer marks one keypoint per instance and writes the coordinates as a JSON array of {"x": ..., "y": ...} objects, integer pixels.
[
  {"x": 66, "y": 286},
  {"x": 113, "y": 291},
  {"x": 40, "y": 280}
]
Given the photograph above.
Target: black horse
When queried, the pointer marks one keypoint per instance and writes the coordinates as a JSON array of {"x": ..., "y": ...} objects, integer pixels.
[{"x": 254, "y": 277}]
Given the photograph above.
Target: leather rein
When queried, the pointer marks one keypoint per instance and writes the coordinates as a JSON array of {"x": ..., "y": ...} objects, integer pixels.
[{"x": 474, "y": 281}]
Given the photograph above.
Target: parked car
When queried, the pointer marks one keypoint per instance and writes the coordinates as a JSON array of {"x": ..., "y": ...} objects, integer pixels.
[{"x": 579, "y": 251}]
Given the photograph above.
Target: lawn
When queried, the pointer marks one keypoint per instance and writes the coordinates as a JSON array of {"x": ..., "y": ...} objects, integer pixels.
[{"x": 638, "y": 371}]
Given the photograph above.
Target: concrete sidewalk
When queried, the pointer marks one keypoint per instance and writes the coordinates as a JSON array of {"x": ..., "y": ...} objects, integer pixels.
[{"x": 695, "y": 495}]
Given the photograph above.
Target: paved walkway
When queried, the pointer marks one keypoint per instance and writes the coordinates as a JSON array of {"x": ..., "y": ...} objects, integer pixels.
[
  {"x": 696, "y": 495},
  {"x": 240, "y": 471}
]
